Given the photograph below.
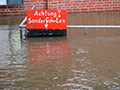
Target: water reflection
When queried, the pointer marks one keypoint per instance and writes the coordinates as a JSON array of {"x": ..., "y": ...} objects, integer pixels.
[
  {"x": 49, "y": 63},
  {"x": 63, "y": 63},
  {"x": 94, "y": 18},
  {"x": 92, "y": 67},
  {"x": 47, "y": 48},
  {"x": 12, "y": 70}
]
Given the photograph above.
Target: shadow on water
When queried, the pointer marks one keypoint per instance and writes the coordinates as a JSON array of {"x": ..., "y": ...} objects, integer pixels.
[{"x": 74, "y": 62}]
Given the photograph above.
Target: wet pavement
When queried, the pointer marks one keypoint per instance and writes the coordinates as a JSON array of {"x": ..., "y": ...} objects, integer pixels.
[{"x": 75, "y": 62}]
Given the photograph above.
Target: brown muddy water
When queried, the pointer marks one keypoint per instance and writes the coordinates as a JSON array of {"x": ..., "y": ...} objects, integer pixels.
[{"x": 75, "y": 62}]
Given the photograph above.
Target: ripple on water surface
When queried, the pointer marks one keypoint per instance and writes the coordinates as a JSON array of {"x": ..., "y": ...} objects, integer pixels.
[{"x": 74, "y": 62}]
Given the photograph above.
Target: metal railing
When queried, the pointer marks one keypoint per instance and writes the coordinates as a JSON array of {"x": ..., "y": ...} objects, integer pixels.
[
  {"x": 23, "y": 25},
  {"x": 85, "y": 27}
]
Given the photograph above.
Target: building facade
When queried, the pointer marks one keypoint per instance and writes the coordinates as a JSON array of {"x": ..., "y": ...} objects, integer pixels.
[{"x": 69, "y": 5}]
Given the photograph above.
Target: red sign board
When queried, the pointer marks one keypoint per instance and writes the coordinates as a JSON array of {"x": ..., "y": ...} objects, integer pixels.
[{"x": 46, "y": 19}]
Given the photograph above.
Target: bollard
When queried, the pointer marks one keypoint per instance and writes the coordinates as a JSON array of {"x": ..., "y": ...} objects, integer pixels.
[
  {"x": 85, "y": 31},
  {"x": 21, "y": 33}
]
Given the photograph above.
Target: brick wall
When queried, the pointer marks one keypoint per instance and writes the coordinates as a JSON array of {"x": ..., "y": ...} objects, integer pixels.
[
  {"x": 84, "y": 5},
  {"x": 69, "y": 5},
  {"x": 18, "y": 9}
]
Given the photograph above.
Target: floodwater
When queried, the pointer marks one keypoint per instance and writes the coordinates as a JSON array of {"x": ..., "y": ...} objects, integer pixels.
[{"x": 75, "y": 62}]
